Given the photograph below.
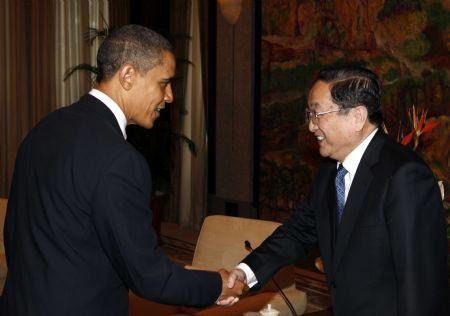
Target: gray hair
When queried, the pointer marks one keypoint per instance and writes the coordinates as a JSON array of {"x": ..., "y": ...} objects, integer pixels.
[{"x": 352, "y": 86}]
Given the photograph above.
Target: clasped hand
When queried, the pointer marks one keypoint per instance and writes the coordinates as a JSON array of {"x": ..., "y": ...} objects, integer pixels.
[{"x": 233, "y": 285}]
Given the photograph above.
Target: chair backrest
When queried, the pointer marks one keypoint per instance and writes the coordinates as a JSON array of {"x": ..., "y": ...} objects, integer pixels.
[
  {"x": 221, "y": 244},
  {"x": 221, "y": 240}
]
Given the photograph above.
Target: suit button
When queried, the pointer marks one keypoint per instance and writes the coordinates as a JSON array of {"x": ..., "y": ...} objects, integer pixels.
[{"x": 333, "y": 284}]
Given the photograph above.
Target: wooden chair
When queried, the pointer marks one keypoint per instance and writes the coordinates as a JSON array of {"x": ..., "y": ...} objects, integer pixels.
[{"x": 221, "y": 245}]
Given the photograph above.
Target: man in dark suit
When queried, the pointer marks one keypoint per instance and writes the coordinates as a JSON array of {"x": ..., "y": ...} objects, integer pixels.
[
  {"x": 374, "y": 209},
  {"x": 78, "y": 229}
]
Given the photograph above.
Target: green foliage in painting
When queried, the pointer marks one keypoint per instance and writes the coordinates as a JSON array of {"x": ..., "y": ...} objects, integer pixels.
[
  {"x": 392, "y": 75},
  {"x": 283, "y": 184},
  {"x": 417, "y": 47},
  {"x": 439, "y": 16}
]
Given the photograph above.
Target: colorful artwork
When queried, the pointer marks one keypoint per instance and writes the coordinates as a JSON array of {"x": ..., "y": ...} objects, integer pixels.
[{"x": 406, "y": 42}]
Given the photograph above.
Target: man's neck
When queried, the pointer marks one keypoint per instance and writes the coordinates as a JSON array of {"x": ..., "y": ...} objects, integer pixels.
[
  {"x": 365, "y": 133},
  {"x": 111, "y": 90}
]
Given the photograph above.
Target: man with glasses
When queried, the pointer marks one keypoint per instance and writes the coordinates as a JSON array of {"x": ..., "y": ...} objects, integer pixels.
[{"x": 374, "y": 209}]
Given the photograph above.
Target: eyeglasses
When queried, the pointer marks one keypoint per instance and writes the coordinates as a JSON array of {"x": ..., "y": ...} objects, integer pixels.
[{"x": 314, "y": 116}]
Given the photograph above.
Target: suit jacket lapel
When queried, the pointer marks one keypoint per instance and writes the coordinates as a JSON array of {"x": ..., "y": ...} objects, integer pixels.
[
  {"x": 357, "y": 196},
  {"x": 355, "y": 199}
]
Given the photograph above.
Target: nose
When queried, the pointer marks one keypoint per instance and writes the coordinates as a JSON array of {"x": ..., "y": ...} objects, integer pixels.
[
  {"x": 168, "y": 98},
  {"x": 312, "y": 126}
]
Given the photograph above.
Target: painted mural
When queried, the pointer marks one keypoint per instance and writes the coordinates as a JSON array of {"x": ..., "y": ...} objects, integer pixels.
[{"x": 406, "y": 42}]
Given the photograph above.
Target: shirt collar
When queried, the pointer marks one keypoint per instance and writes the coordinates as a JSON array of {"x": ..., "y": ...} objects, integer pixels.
[
  {"x": 351, "y": 162},
  {"x": 114, "y": 107}
]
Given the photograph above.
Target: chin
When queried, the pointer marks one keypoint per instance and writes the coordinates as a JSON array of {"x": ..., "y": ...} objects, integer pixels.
[
  {"x": 324, "y": 153},
  {"x": 151, "y": 123},
  {"x": 146, "y": 125}
]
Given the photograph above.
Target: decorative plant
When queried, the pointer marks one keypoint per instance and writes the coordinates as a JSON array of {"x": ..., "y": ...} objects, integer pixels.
[
  {"x": 420, "y": 125},
  {"x": 90, "y": 36}
]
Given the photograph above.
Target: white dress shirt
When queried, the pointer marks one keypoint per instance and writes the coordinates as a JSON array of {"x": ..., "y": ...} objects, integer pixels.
[
  {"x": 350, "y": 163},
  {"x": 114, "y": 107}
]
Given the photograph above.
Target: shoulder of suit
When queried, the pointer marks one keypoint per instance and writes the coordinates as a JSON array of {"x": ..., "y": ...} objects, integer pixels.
[{"x": 394, "y": 155}]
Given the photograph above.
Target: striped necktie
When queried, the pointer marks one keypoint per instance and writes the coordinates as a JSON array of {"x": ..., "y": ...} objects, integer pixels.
[{"x": 340, "y": 191}]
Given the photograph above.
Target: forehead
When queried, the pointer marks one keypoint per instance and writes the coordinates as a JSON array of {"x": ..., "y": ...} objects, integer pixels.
[
  {"x": 165, "y": 70},
  {"x": 320, "y": 96},
  {"x": 168, "y": 62}
]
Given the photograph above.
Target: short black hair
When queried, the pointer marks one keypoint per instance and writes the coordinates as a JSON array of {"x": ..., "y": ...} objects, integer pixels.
[
  {"x": 131, "y": 44},
  {"x": 352, "y": 86}
]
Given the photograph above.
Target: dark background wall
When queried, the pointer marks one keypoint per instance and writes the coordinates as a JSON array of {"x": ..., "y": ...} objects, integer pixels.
[{"x": 233, "y": 187}]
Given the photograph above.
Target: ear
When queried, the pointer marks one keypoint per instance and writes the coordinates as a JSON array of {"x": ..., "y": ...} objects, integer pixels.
[
  {"x": 127, "y": 76},
  {"x": 360, "y": 117}
]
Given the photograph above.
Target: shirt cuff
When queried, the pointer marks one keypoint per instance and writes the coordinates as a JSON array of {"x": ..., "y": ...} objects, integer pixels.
[{"x": 249, "y": 275}]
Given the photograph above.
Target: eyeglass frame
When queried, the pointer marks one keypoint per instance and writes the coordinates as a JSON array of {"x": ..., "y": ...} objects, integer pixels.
[{"x": 314, "y": 116}]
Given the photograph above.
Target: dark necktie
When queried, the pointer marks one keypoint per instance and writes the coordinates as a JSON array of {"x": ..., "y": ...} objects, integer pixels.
[{"x": 340, "y": 191}]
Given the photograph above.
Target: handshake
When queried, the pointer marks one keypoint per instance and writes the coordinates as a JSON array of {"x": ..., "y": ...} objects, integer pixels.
[{"x": 234, "y": 284}]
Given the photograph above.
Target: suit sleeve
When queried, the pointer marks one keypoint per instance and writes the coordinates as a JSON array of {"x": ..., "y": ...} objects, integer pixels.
[
  {"x": 122, "y": 218},
  {"x": 416, "y": 225},
  {"x": 286, "y": 245}
]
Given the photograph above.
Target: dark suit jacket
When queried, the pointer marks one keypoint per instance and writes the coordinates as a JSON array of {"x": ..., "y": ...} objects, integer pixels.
[
  {"x": 389, "y": 254},
  {"x": 78, "y": 229}
]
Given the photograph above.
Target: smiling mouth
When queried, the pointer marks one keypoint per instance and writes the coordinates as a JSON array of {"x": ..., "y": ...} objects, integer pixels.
[{"x": 161, "y": 107}]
